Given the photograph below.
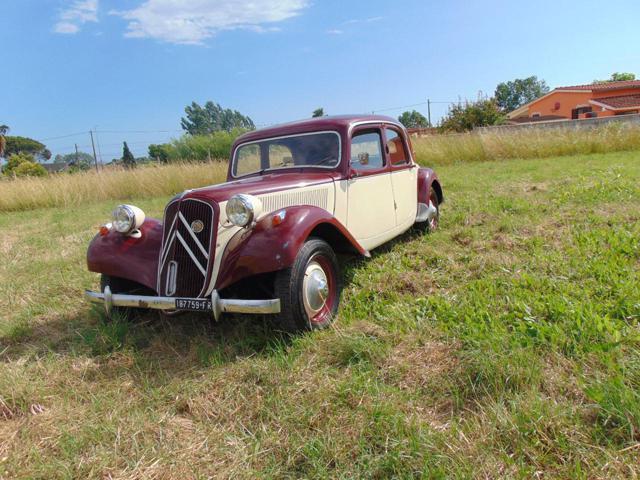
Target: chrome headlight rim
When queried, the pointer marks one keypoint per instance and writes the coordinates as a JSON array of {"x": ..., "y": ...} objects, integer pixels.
[
  {"x": 134, "y": 216},
  {"x": 248, "y": 203}
]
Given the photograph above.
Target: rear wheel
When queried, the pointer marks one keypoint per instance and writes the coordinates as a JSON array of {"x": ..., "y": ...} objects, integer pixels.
[
  {"x": 309, "y": 291},
  {"x": 432, "y": 223}
]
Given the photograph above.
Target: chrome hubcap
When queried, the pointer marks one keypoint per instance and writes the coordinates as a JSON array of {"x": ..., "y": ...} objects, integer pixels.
[
  {"x": 432, "y": 216},
  {"x": 315, "y": 289}
]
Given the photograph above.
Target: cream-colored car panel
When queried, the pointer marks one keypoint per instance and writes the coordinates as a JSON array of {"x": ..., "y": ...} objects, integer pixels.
[
  {"x": 321, "y": 196},
  {"x": 371, "y": 217},
  {"x": 342, "y": 201},
  {"x": 405, "y": 194}
]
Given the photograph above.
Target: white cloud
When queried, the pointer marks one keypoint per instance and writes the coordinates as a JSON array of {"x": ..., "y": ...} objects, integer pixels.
[
  {"x": 346, "y": 25},
  {"x": 363, "y": 20},
  {"x": 75, "y": 15},
  {"x": 65, "y": 27},
  {"x": 193, "y": 21}
]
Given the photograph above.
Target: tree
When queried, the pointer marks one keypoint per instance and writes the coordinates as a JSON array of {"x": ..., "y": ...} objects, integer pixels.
[
  {"x": 318, "y": 112},
  {"x": 128, "y": 160},
  {"x": 26, "y": 145},
  {"x": 23, "y": 165},
  {"x": 413, "y": 119},
  {"x": 513, "y": 94},
  {"x": 159, "y": 152},
  {"x": 212, "y": 118},
  {"x": 3, "y": 141},
  {"x": 464, "y": 117},
  {"x": 81, "y": 162},
  {"x": 618, "y": 77}
]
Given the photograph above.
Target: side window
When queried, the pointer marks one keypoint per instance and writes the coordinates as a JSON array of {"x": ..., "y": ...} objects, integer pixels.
[
  {"x": 366, "y": 153},
  {"x": 395, "y": 147}
]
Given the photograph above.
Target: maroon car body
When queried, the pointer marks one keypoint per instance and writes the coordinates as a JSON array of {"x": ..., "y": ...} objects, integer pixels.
[{"x": 307, "y": 180}]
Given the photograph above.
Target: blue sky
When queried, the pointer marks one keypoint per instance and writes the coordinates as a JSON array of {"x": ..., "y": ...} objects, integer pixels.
[{"x": 128, "y": 68}]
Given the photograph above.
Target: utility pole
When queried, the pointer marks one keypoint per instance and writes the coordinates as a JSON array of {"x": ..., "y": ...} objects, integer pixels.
[
  {"x": 93, "y": 145},
  {"x": 429, "y": 111},
  {"x": 77, "y": 164}
]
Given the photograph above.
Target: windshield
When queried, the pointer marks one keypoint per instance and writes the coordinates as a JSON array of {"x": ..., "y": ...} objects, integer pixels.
[{"x": 306, "y": 150}]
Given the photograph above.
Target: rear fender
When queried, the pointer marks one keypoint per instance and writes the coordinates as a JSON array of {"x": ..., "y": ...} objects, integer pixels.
[
  {"x": 267, "y": 248},
  {"x": 428, "y": 180},
  {"x": 135, "y": 259}
]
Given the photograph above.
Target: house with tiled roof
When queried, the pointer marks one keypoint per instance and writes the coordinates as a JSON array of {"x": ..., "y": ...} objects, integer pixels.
[{"x": 582, "y": 101}]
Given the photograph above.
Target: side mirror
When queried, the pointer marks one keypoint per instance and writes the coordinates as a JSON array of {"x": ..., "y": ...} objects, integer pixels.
[{"x": 363, "y": 158}]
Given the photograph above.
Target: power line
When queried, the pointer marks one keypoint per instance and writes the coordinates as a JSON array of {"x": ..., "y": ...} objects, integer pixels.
[
  {"x": 64, "y": 136},
  {"x": 412, "y": 105},
  {"x": 138, "y": 131}
]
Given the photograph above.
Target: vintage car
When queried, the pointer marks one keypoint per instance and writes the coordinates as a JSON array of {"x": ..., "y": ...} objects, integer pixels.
[{"x": 265, "y": 242}]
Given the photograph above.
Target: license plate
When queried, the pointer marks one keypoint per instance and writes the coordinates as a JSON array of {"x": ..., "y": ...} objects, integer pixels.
[{"x": 193, "y": 304}]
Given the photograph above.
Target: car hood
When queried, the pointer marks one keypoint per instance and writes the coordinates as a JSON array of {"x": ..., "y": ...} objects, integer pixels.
[{"x": 259, "y": 185}]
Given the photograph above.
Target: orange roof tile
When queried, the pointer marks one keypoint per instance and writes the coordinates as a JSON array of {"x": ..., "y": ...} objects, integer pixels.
[
  {"x": 620, "y": 101},
  {"x": 604, "y": 86}
]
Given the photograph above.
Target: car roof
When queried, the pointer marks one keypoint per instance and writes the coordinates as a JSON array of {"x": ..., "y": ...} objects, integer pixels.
[{"x": 335, "y": 122}]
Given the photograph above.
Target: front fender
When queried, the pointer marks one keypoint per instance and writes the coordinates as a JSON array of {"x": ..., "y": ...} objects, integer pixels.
[
  {"x": 427, "y": 179},
  {"x": 121, "y": 256},
  {"x": 268, "y": 248}
]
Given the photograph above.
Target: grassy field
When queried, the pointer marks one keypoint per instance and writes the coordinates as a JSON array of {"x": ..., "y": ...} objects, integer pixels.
[
  {"x": 504, "y": 345},
  {"x": 505, "y": 144},
  {"x": 433, "y": 150}
]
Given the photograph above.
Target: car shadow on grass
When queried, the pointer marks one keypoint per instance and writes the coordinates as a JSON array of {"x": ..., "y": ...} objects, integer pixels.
[
  {"x": 159, "y": 347},
  {"x": 159, "y": 344}
]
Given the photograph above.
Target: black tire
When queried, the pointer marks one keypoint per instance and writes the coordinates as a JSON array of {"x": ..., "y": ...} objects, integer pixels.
[
  {"x": 120, "y": 285},
  {"x": 430, "y": 226},
  {"x": 315, "y": 256}
]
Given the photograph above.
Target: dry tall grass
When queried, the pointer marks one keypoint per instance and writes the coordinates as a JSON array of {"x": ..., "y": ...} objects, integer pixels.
[
  {"x": 524, "y": 143},
  {"x": 111, "y": 184},
  {"x": 117, "y": 184}
]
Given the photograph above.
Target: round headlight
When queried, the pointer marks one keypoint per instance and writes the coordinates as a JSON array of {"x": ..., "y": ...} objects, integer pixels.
[
  {"x": 127, "y": 218},
  {"x": 243, "y": 209}
]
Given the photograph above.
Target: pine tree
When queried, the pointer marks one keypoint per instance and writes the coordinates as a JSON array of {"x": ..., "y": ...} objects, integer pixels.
[{"x": 128, "y": 160}]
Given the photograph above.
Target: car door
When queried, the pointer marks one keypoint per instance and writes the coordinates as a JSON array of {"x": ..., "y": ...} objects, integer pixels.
[
  {"x": 370, "y": 210},
  {"x": 404, "y": 177}
]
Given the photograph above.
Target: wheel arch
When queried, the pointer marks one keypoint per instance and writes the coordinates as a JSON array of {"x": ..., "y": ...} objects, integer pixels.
[
  {"x": 427, "y": 180},
  {"x": 134, "y": 259},
  {"x": 331, "y": 234},
  {"x": 245, "y": 255},
  {"x": 435, "y": 185}
]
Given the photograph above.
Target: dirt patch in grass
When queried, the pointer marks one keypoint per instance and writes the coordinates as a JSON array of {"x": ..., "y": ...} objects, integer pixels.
[{"x": 417, "y": 364}]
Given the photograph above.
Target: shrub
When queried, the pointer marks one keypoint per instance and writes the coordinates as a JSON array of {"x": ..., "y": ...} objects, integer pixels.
[
  {"x": 480, "y": 113},
  {"x": 23, "y": 165},
  {"x": 215, "y": 146},
  {"x": 30, "y": 169}
]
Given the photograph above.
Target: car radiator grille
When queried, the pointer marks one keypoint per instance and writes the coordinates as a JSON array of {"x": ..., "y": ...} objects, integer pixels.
[{"x": 188, "y": 237}]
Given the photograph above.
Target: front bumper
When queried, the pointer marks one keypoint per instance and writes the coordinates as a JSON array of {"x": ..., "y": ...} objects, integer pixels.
[{"x": 217, "y": 305}]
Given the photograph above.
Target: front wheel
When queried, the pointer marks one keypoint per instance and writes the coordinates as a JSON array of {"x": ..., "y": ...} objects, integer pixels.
[{"x": 309, "y": 291}]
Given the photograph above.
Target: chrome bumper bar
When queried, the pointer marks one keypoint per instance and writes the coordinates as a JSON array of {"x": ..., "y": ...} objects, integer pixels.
[{"x": 218, "y": 305}]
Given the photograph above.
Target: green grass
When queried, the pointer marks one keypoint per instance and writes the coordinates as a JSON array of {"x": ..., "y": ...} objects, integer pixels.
[{"x": 504, "y": 345}]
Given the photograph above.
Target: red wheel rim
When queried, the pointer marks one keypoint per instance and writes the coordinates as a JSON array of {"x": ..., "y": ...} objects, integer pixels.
[{"x": 321, "y": 268}]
